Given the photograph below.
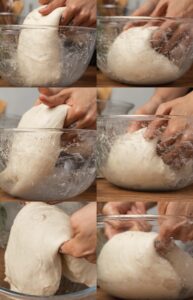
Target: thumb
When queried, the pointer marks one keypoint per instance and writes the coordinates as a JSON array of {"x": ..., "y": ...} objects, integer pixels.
[{"x": 67, "y": 247}]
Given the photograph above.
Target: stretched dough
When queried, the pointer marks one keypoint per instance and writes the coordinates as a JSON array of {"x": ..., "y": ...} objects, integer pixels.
[
  {"x": 32, "y": 261},
  {"x": 39, "y": 49},
  {"x": 34, "y": 153},
  {"x": 129, "y": 267},
  {"x": 133, "y": 163},
  {"x": 132, "y": 59}
]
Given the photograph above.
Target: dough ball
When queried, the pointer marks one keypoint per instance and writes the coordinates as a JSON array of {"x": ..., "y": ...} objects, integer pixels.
[
  {"x": 130, "y": 268},
  {"x": 33, "y": 154},
  {"x": 39, "y": 53},
  {"x": 32, "y": 260},
  {"x": 132, "y": 59},
  {"x": 133, "y": 163}
]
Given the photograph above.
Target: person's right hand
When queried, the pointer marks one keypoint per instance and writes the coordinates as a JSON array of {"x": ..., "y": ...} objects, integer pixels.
[
  {"x": 175, "y": 224},
  {"x": 124, "y": 208},
  {"x": 77, "y": 12},
  {"x": 160, "y": 96}
]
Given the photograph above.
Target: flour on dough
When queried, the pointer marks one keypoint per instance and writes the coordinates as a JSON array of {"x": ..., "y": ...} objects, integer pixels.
[
  {"x": 32, "y": 260},
  {"x": 132, "y": 59},
  {"x": 133, "y": 163},
  {"x": 130, "y": 268},
  {"x": 39, "y": 49},
  {"x": 34, "y": 153}
]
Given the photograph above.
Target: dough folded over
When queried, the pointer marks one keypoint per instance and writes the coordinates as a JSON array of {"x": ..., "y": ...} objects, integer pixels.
[
  {"x": 32, "y": 260},
  {"x": 132, "y": 59},
  {"x": 133, "y": 163},
  {"x": 34, "y": 153},
  {"x": 130, "y": 268},
  {"x": 39, "y": 49}
]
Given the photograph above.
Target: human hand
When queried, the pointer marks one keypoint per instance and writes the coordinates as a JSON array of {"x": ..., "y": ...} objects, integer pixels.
[
  {"x": 113, "y": 227},
  {"x": 83, "y": 241},
  {"x": 77, "y": 12},
  {"x": 171, "y": 33},
  {"x": 82, "y": 102},
  {"x": 161, "y": 95},
  {"x": 145, "y": 10},
  {"x": 175, "y": 144},
  {"x": 175, "y": 224}
]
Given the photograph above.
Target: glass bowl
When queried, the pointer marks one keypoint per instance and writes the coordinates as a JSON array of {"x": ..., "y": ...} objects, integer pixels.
[
  {"x": 67, "y": 169},
  {"x": 148, "y": 62},
  {"x": 133, "y": 259},
  {"x": 68, "y": 290},
  {"x": 10, "y": 18},
  {"x": 73, "y": 51},
  {"x": 113, "y": 108},
  {"x": 134, "y": 162}
]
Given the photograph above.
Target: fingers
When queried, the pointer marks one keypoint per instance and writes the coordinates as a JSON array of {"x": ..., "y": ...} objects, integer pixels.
[
  {"x": 75, "y": 114},
  {"x": 85, "y": 18},
  {"x": 56, "y": 99},
  {"x": 153, "y": 128},
  {"x": 69, "y": 14},
  {"x": 52, "y": 6}
]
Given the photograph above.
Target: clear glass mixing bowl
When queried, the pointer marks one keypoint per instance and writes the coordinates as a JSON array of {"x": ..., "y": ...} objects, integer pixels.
[
  {"x": 145, "y": 70},
  {"x": 68, "y": 290},
  {"x": 148, "y": 224},
  {"x": 76, "y": 47},
  {"x": 174, "y": 153},
  {"x": 73, "y": 171}
]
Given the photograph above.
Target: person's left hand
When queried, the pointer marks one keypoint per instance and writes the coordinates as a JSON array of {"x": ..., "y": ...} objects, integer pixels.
[
  {"x": 82, "y": 102},
  {"x": 83, "y": 241},
  {"x": 175, "y": 224},
  {"x": 175, "y": 144},
  {"x": 77, "y": 12}
]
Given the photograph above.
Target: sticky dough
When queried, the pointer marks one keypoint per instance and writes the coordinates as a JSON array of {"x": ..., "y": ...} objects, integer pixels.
[
  {"x": 39, "y": 49},
  {"x": 130, "y": 268},
  {"x": 33, "y": 154},
  {"x": 32, "y": 260},
  {"x": 133, "y": 163},
  {"x": 132, "y": 59}
]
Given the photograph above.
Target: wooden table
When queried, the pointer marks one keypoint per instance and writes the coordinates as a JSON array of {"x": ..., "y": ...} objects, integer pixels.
[
  {"x": 108, "y": 192},
  {"x": 101, "y": 295},
  {"x": 184, "y": 81},
  {"x": 89, "y": 195},
  {"x": 87, "y": 80}
]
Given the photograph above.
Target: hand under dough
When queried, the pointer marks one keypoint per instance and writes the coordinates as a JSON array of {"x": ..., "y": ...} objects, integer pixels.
[
  {"x": 124, "y": 208},
  {"x": 161, "y": 95},
  {"x": 78, "y": 12},
  {"x": 179, "y": 228},
  {"x": 82, "y": 113},
  {"x": 176, "y": 142},
  {"x": 83, "y": 241}
]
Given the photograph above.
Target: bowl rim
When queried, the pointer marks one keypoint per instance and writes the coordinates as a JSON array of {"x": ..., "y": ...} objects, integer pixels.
[
  {"x": 84, "y": 292},
  {"x": 144, "y": 117},
  {"x": 101, "y": 219},
  {"x": 143, "y": 18},
  {"x": 23, "y": 26},
  {"x": 51, "y": 130}
]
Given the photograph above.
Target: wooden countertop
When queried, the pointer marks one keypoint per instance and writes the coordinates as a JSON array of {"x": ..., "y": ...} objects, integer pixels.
[
  {"x": 87, "y": 80},
  {"x": 108, "y": 192},
  {"x": 184, "y": 81},
  {"x": 101, "y": 295},
  {"x": 89, "y": 195}
]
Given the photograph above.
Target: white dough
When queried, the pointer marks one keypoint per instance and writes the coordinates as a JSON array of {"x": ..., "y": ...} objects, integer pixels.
[
  {"x": 132, "y": 59},
  {"x": 133, "y": 163},
  {"x": 32, "y": 260},
  {"x": 39, "y": 49},
  {"x": 34, "y": 153},
  {"x": 129, "y": 267}
]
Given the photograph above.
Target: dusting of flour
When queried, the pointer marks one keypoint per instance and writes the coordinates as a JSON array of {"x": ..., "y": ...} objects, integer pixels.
[
  {"x": 133, "y": 163},
  {"x": 132, "y": 59}
]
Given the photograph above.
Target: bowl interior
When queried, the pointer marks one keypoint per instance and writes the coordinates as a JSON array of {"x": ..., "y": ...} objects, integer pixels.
[{"x": 8, "y": 212}]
